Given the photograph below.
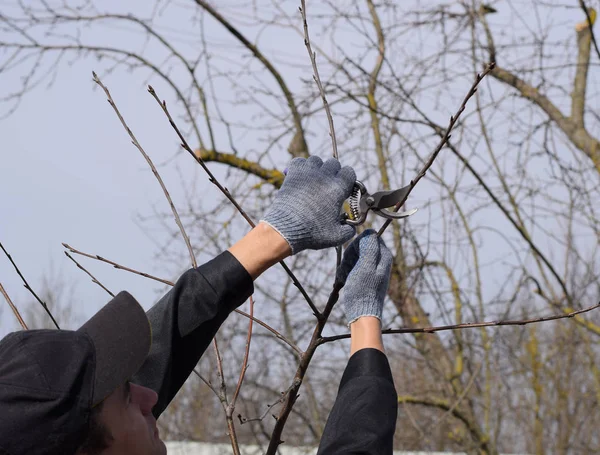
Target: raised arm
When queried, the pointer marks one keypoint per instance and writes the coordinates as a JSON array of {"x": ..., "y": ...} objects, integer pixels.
[
  {"x": 363, "y": 418},
  {"x": 305, "y": 214}
]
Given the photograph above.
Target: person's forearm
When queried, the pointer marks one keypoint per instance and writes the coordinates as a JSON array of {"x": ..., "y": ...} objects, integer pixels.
[
  {"x": 261, "y": 248},
  {"x": 365, "y": 332},
  {"x": 185, "y": 320}
]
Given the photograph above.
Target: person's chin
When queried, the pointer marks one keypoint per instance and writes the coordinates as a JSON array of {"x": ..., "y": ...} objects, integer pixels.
[{"x": 161, "y": 446}]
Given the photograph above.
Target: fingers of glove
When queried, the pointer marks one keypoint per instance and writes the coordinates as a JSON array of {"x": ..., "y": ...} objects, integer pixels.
[
  {"x": 346, "y": 232},
  {"x": 314, "y": 161},
  {"x": 294, "y": 165},
  {"x": 384, "y": 267},
  {"x": 331, "y": 167},
  {"x": 348, "y": 178},
  {"x": 369, "y": 249},
  {"x": 351, "y": 256},
  {"x": 348, "y": 262}
]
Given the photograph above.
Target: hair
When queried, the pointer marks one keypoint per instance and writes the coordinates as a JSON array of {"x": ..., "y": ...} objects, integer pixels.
[{"x": 97, "y": 437}]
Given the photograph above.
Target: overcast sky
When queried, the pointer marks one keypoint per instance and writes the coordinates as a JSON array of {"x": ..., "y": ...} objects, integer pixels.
[{"x": 69, "y": 173}]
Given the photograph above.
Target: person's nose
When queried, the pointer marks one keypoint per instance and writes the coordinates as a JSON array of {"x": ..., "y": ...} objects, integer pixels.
[{"x": 144, "y": 397}]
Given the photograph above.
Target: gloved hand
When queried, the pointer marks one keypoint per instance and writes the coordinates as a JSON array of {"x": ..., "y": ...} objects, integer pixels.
[
  {"x": 307, "y": 209},
  {"x": 365, "y": 270}
]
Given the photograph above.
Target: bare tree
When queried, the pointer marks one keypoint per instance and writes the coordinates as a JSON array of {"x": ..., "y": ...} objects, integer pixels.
[{"x": 508, "y": 226}]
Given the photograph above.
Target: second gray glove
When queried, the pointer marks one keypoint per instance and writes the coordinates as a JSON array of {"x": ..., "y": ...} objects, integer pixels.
[{"x": 365, "y": 270}]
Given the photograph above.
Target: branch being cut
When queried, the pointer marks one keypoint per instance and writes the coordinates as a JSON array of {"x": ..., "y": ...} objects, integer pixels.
[{"x": 444, "y": 139}]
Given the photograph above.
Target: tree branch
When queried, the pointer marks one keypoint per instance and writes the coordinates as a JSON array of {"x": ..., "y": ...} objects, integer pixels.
[
  {"x": 26, "y": 284},
  {"x": 472, "y": 325},
  {"x": 303, "y": 149},
  {"x": 443, "y": 141},
  {"x": 272, "y": 176},
  {"x": 13, "y": 308},
  {"x": 94, "y": 280},
  {"x": 317, "y": 79},
  {"x": 228, "y": 195},
  {"x": 154, "y": 170}
]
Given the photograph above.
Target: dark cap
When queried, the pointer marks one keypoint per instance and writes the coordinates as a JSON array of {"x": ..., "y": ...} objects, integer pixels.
[{"x": 51, "y": 379}]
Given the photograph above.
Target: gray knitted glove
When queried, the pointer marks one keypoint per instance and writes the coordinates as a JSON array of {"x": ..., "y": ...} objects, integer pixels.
[
  {"x": 308, "y": 207},
  {"x": 365, "y": 270}
]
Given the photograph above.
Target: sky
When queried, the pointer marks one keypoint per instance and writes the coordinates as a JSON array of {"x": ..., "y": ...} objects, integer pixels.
[{"x": 69, "y": 173}]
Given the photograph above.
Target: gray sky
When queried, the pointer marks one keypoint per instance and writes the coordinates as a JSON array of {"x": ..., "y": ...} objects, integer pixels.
[{"x": 70, "y": 174}]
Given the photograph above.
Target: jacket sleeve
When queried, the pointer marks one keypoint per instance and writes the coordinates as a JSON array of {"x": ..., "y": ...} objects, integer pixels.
[
  {"x": 185, "y": 320},
  {"x": 363, "y": 418}
]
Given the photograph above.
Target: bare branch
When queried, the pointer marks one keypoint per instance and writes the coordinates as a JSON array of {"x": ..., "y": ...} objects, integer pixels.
[
  {"x": 590, "y": 22},
  {"x": 231, "y": 406},
  {"x": 228, "y": 195},
  {"x": 13, "y": 308},
  {"x": 26, "y": 284},
  {"x": 94, "y": 280},
  {"x": 273, "y": 331},
  {"x": 154, "y": 170},
  {"x": 269, "y": 406},
  {"x": 444, "y": 139},
  {"x": 473, "y": 325},
  {"x": 272, "y": 176},
  {"x": 117, "y": 266},
  {"x": 317, "y": 78},
  {"x": 260, "y": 56}
]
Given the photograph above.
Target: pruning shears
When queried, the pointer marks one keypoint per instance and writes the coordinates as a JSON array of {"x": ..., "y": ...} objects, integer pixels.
[{"x": 361, "y": 201}]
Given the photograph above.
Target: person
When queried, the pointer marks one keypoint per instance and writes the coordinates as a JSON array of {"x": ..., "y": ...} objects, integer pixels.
[{"x": 100, "y": 389}]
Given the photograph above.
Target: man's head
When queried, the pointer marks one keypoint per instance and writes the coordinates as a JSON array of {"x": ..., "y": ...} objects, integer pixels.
[
  {"x": 52, "y": 383},
  {"x": 124, "y": 424}
]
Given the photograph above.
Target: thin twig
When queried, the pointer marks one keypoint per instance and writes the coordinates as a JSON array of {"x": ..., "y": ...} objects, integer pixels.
[
  {"x": 208, "y": 383},
  {"x": 269, "y": 406},
  {"x": 224, "y": 402},
  {"x": 212, "y": 179},
  {"x": 313, "y": 59},
  {"x": 463, "y": 394},
  {"x": 472, "y": 325},
  {"x": 13, "y": 308},
  {"x": 443, "y": 140},
  {"x": 94, "y": 280},
  {"x": 117, "y": 266},
  {"x": 26, "y": 284},
  {"x": 170, "y": 283},
  {"x": 231, "y": 406},
  {"x": 154, "y": 170},
  {"x": 273, "y": 331},
  {"x": 317, "y": 78}
]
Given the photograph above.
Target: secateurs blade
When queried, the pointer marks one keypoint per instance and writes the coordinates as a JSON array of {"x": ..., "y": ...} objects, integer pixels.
[{"x": 361, "y": 201}]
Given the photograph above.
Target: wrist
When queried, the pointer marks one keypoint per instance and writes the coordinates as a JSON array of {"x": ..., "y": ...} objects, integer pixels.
[
  {"x": 365, "y": 332},
  {"x": 261, "y": 248}
]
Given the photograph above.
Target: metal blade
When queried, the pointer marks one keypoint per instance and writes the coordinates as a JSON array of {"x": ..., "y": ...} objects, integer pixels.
[
  {"x": 385, "y": 199},
  {"x": 395, "y": 215}
]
